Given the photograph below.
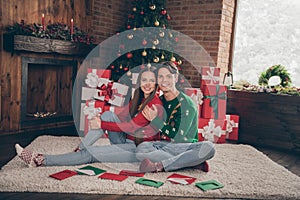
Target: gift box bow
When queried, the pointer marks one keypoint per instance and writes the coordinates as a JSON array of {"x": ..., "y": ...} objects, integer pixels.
[
  {"x": 230, "y": 124},
  {"x": 108, "y": 92},
  {"x": 214, "y": 100},
  {"x": 210, "y": 76},
  {"x": 91, "y": 111},
  {"x": 197, "y": 97},
  {"x": 211, "y": 130}
]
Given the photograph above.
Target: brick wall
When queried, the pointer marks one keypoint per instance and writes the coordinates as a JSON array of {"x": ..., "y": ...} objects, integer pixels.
[{"x": 208, "y": 22}]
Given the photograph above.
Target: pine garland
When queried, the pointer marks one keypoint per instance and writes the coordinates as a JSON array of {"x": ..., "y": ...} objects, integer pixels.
[
  {"x": 59, "y": 31},
  {"x": 276, "y": 70}
]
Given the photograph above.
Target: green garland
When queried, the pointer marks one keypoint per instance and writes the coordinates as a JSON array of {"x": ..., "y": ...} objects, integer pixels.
[
  {"x": 276, "y": 70},
  {"x": 59, "y": 31}
]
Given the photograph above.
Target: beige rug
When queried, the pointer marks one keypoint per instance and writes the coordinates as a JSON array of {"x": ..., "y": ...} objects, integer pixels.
[{"x": 244, "y": 172}]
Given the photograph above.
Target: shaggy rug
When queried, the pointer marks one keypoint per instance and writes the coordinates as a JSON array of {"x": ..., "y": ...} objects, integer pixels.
[{"x": 244, "y": 172}]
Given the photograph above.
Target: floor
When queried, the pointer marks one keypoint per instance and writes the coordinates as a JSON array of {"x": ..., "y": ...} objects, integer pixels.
[{"x": 289, "y": 160}]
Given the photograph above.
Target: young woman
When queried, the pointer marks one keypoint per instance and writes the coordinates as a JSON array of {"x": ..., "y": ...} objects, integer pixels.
[{"x": 125, "y": 131}]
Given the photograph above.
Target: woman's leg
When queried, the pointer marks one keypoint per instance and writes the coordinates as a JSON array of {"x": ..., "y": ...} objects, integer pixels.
[
  {"x": 108, "y": 153},
  {"x": 114, "y": 137},
  {"x": 93, "y": 135}
]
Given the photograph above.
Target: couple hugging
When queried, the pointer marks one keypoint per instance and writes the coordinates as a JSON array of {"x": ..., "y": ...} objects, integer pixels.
[{"x": 159, "y": 132}]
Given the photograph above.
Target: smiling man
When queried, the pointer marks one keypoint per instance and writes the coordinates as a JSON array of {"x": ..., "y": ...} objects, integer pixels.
[{"x": 179, "y": 146}]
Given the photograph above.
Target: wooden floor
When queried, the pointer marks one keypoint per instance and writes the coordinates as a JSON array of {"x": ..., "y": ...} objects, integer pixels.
[{"x": 287, "y": 159}]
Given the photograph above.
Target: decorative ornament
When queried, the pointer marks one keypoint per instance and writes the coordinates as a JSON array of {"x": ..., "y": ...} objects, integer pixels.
[
  {"x": 170, "y": 34},
  {"x": 163, "y": 11},
  {"x": 156, "y": 42},
  {"x": 144, "y": 42},
  {"x": 173, "y": 59},
  {"x": 134, "y": 9},
  {"x": 130, "y": 36},
  {"x": 142, "y": 66},
  {"x": 148, "y": 65},
  {"x": 121, "y": 66},
  {"x": 144, "y": 53},
  {"x": 276, "y": 70},
  {"x": 128, "y": 27},
  {"x": 142, "y": 12},
  {"x": 134, "y": 28},
  {"x": 112, "y": 66},
  {"x": 152, "y": 7},
  {"x": 156, "y": 59},
  {"x": 179, "y": 62},
  {"x": 119, "y": 53},
  {"x": 162, "y": 56},
  {"x": 153, "y": 47},
  {"x": 126, "y": 68},
  {"x": 129, "y": 55},
  {"x": 129, "y": 73},
  {"x": 161, "y": 34},
  {"x": 156, "y": 23}
]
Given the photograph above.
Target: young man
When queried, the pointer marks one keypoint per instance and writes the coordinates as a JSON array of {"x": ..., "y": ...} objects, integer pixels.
[{"x": 179, "y": 146}]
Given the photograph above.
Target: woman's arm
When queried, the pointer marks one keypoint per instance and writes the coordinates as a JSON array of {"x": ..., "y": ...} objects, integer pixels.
[{"x": 131, "y": 126}]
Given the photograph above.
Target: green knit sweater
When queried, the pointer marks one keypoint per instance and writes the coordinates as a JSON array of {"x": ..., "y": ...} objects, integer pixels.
[{"x": 181, "y": 124}]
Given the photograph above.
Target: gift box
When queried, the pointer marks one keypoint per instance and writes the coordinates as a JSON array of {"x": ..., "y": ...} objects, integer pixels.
[
  {"x": 214, "y": 101},
  {"x": 94, "y": 108},
  {"x": 197, "y": 96},
  {"x": 101, "y": 73},
  {"x": 210, "y": 75},
  {"x": 213, "y": 130},
  {"x": 111, "y": 92},
  {"x": 232, "y": 127}
]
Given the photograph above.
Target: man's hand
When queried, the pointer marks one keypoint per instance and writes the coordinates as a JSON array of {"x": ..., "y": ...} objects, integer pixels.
[
  {"x": 150, "y": 113},
  {"x": 95, "y": 123}
]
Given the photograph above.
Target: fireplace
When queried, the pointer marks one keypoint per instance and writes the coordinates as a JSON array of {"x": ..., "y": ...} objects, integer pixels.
[{"x": 46, "y": 90}]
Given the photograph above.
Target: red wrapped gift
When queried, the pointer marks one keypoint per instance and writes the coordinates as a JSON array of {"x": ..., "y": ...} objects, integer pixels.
[
  {"x": 213, "y": 130},
  {"x": 214, "y": 101},
  {"x": 197, "y": 96},
  {"x": 232, "y": 127},
  {"x": 210, "y": 75},
  {"x": 101, "y": 73}
]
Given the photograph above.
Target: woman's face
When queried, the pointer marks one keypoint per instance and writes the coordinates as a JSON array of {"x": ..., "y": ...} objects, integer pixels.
[{"x": 148, "y": 82}]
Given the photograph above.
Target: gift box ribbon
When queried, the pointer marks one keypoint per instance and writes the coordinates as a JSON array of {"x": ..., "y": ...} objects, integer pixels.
[
  {"x": 108, "y": 92},
  {"x": 214, "y": 100},
  {"x": 210, "y": 76}
]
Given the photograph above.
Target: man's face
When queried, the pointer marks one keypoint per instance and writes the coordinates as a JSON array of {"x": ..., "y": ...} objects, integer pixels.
[{"x": 166, "y": 80}]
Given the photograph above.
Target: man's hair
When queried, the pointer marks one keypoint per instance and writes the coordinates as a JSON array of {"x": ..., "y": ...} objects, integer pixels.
[{"x": 168, "y": 65}]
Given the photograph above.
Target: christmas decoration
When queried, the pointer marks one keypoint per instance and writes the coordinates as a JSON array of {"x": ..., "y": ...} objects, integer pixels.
[
  {"x": 276, "y": 70},
  {"x": 57, "y": 30},
  {"x": 144, "y": 14}
]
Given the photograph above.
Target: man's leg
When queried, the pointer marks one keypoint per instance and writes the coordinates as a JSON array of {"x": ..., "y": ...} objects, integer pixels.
[{"x": 153, "y": 151}]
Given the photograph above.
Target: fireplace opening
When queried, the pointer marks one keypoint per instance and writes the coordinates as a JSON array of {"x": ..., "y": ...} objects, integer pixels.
[{"x": 46, "y": 90}]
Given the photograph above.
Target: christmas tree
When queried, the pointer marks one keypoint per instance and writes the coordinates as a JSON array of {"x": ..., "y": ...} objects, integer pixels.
[{"x": 139, "y": 47}]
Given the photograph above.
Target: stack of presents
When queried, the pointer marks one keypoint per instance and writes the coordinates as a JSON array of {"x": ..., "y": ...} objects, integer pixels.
[{"x": 101, "y": 94}]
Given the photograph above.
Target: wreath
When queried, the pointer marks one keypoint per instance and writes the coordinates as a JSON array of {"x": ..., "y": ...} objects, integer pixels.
[{"x": 276, "y": 70}]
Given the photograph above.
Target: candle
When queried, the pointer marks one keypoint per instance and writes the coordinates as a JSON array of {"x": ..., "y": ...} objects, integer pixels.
[
  {"x": 72, "y": 27},
  {"x": 43, "y": 21}
]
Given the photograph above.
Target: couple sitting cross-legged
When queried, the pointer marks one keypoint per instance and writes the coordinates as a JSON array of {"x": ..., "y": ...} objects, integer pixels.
[{"x": 160, "y": 132}]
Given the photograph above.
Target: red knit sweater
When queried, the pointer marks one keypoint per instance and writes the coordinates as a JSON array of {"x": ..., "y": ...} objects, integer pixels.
[{"x": 138, "y": 123}]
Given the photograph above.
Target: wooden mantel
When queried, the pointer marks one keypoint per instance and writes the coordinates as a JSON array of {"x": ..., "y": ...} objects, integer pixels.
[{"x": 42, "y": 45}]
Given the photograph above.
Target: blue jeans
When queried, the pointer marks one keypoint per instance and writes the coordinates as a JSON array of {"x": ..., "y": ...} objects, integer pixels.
[
  {"x": 120, "y": 150},
  {"x": 176, "y": 155}
]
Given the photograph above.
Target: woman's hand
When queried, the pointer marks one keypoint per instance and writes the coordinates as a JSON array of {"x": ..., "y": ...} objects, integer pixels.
[
  {"x": 95, "y": 123},
  {"x": 150, "y": 113}
]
